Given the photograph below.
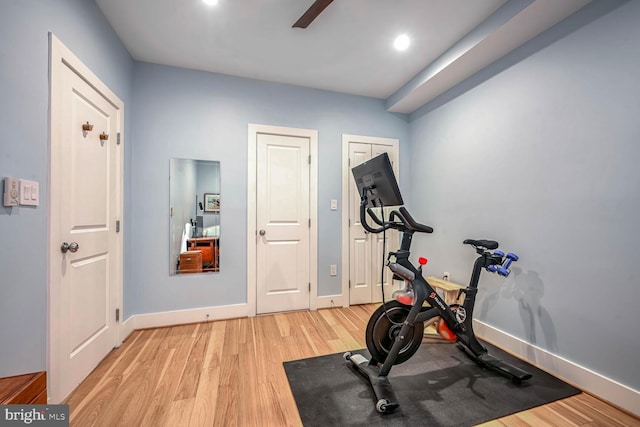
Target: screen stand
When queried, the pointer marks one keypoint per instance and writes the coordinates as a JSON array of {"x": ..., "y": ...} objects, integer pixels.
[{"x": 364, "y": 199}]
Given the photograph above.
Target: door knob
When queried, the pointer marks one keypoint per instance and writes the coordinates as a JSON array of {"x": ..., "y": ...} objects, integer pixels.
[
  {"x": 262, "y": 232},
  {"x": 71, "y": 247}
]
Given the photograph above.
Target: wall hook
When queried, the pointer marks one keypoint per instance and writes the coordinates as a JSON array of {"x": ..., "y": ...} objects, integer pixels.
[
  {"x": 103, "y": 137},
  {"x": 87, "y": 127}
]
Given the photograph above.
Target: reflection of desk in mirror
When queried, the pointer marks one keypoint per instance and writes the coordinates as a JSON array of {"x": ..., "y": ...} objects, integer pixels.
[
  {"x": 190, "y": 262},
  {"x": 209, "y": 246}
]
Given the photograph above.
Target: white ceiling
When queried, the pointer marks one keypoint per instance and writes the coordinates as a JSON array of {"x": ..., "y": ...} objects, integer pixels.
[{"x": 348, "y": 48}]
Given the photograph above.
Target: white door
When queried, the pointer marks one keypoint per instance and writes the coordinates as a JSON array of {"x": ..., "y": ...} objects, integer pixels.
[
  {"x": 85, "y": 205},
  {"x": 283, "y": 223},
  {"x": 366, "y": 252}
]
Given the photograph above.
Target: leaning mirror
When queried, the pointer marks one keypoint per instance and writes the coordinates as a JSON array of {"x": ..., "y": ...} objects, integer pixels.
[{"x": 194, "y": 197}]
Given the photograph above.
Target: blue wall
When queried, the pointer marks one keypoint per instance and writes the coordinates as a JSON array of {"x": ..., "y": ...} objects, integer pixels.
[
  {"x": 191, "y": 114},
  {"x": 24, "y": 142},
  {"x": 543, "y": 157}
]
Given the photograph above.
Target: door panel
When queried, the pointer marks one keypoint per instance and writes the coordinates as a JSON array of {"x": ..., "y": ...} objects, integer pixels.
[
  {"x": 283, "y": 223},
  {"x": 88, "y": 202},
  {"x": 88, "y": 308},
  {"x": 391, "y": 235},
  {"x": 358, "y": 153},
  {"x": 280, "y": 278},
  {"x": 360, "y": 240},
  {"x": 366, "y": 252},
  {"x": 361, "y": 251}
]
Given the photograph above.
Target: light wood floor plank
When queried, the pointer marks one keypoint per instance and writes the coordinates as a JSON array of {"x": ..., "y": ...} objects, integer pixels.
[
  {"x": 143, "y": 395},
  {"x": 600, "y": 412},
  {"x": 179, "y": 413},
  {"x": 565, "y": 409},
  {"x": 162, "y": 396},
  {"x": 120, "y": 400},
  {"x": 91, "y": 384},
  {"x": 191, "y": 374},
  {"x": 204, "y": 408},
  {"x": 95, "y": 409},
  {"x": 230, "y": 373}
]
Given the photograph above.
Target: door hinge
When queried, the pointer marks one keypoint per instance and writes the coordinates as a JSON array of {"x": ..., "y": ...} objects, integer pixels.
[
  {"x": 349, "y": 284},
  {"x": 117, "y": 314},
  {"x": 309, "y": 222},
  {"x": 117, "y": 226},
  {"x": 309, "y": 286},
  {"x": 309, "y": 158},
  {"x": 118, "y": 138}
]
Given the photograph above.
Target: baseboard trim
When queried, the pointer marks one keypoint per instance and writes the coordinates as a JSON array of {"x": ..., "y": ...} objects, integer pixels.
[
  {"x": 180, "y": 317},
  {"x": 330, "y": 301},
  {"x": 591, "y": 382}
]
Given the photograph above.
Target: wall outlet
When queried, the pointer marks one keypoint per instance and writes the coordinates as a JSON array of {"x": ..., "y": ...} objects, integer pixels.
[
  {"x": 446, "y": 276},
  {"x": 11, "y": 192}
]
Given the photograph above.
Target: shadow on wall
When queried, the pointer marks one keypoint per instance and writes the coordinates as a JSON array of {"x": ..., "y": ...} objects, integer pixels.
[{"x": 527, "y": 288}]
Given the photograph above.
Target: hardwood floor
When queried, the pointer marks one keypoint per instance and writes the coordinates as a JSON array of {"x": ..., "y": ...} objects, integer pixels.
[{"x": 230, "y": 373}]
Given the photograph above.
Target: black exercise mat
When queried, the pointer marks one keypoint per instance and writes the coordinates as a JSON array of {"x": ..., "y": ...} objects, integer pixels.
[{"x": 438, "y": 386}]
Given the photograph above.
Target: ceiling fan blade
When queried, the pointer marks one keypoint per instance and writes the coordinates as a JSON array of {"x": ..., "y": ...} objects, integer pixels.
[{"x": 312, "y": 13}]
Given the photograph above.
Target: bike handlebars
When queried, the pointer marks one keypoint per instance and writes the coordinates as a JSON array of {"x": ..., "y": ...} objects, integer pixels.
[
  {"x": 415, "y": 226},
  {"x": 363, "y": 220},
  {"x": 407, "y": 223}
]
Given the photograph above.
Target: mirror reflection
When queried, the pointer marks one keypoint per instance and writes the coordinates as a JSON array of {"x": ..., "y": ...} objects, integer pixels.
[{"x": 194, "y": 197}]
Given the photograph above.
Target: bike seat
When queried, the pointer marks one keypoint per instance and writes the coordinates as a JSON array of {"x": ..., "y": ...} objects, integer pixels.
[{"x": 489, "y": 244}]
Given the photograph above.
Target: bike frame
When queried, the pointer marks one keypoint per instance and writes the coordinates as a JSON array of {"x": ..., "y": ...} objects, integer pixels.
[
  {"x": 423, "y": 291},
  {"x": 462, "y": 327}
]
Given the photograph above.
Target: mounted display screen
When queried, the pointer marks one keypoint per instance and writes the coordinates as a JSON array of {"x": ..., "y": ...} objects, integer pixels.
[{"x": 376, "y": 177}]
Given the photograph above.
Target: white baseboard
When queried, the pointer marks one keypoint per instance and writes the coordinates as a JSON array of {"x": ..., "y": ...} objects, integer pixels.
[
  {"x": 180, "y": 317},
  {"x": 579, "y": 376},
  {"x": 330, "y": 301}
]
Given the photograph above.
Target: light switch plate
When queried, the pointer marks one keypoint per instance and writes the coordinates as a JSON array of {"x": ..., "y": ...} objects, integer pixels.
[
  {"x": 333, "y": 270},
  {"x": 11, "y": 192},
  {"x": 29, "y": 193}
]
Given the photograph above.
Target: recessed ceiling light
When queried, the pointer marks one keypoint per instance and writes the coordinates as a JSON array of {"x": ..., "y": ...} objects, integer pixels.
[
  {"x": 402, "y": 42},
  {"x": 210, "y": 2}
]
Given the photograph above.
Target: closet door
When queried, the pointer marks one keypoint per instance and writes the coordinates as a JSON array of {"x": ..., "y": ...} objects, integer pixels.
[{"x": 366, "y": 253}]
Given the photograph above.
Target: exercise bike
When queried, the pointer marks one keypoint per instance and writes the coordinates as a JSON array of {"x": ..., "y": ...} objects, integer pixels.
[{"x": 396, "y": 329}]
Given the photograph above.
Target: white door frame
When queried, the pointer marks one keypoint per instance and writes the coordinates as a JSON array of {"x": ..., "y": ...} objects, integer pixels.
[
  {"x": 60, "y": 57},
  {"x": 252, "y": 232},
  {"x": 346, "y": 175}
]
